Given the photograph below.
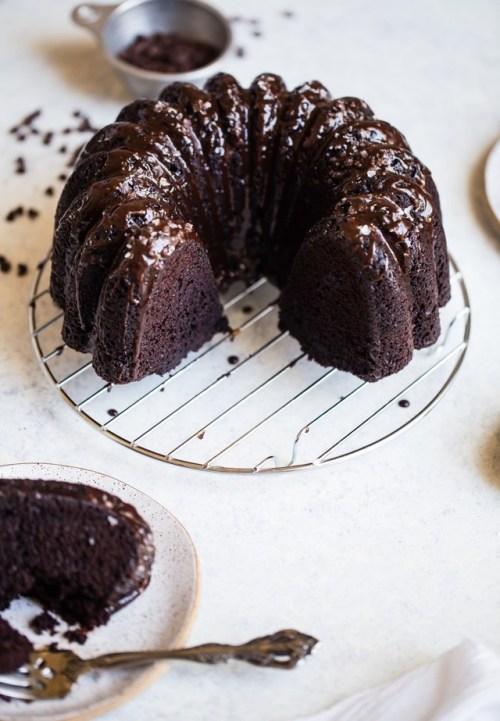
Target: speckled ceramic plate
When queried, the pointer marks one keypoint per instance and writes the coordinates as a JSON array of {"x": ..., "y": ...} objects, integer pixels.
[
  {"x": 492, "y": 179},
  {"x": 159, "y": 618}
]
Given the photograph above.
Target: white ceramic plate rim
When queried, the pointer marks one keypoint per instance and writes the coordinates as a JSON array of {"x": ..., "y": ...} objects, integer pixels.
[
  {"x": 150, "y": 674},
  {"x": 492, "y": 179}
]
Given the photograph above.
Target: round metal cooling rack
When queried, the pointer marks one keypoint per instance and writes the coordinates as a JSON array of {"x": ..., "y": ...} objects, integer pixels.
[{"x": 250, "y": 401}]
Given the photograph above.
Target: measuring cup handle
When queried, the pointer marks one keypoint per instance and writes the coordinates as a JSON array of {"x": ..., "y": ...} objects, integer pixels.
[{"x": 92, "y": 17}]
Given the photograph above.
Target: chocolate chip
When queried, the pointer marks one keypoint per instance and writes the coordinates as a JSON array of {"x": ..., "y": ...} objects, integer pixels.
[
  {"x": 47, "y": 138},
  {"x": 247, "y": 309},
  {"x": 240, "y": 52},
  {"x": 288, "y": 14},
  {"x": 29, "y": 118},
  {"x": 22, "y": 269},
  {"x": 15, "y": 213},
  {"x": 112, "y": 412},
  {"x": 233, "y": 359},
  {"x": 62, "y": 177},
  {"x": 257, "y": 33},
  {"x": 49, "y": 190},
  {"x": 20, "y": 165},
  {"x": 63, "y": 149},
  {"x": 5, "y": 265},
  {"x": 404, "y": 403},
  {"x": 32, "y": 213}
]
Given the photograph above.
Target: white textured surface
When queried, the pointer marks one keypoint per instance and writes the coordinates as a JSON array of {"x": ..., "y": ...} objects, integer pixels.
[{"x": 388, "y": 559}]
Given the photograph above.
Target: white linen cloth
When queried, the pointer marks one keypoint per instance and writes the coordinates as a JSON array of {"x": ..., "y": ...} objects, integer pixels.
[{"x": 462, "y": 684}]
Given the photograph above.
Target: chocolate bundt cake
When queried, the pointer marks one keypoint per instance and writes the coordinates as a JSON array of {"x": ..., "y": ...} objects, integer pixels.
[
  {"x": 181, "y": 196},
  {"x": 80, "y": 552}
]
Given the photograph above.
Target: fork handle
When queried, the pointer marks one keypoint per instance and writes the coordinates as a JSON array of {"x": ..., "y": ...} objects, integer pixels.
[{"x": 283, "y": 649}]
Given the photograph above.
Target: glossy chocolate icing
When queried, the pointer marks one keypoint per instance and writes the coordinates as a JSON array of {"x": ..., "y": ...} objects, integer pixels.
[{"x": 251, "y": 172}]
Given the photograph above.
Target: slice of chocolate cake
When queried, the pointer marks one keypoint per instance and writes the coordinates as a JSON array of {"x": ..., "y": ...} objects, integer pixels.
[
  {"x": 14, "y": 648},
  {"x": 79, "y": 551}
]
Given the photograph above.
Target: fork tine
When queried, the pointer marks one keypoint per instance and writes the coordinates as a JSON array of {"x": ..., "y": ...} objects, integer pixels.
[
  {"x": 15, "y": 679},
  {"x": 15, "y": 692}
]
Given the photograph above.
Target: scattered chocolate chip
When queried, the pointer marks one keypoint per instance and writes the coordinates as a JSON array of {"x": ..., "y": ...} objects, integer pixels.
[
  {"x": 22, "y": 269},
  {"x": 63, "y": 149},
  {"x": 112, "y": 412},
  {"x": 15, "y": 213},
  {"x": 404, "y": 403},
  {"x": 76, "y": 635},
  {"x": 201, "y": 435},
  {"x": 247, "y": 309},
  {"x": 168, "y": 53},
  {"x": 49, "y": 190},
  {"x": 240, "y": 52},
  {"x": 40, "y": 265},
  {"x": 288, "y": 14},
  {"x": 162, "y": 389},
  {"x": 31, "y": 117},
  {"x": 233, "y": 359},
  {"x": 32, "y": 213},
  {"x": 44, "y": 621},
  {"x": 66, "y": 131},
  {"x": 62, "y": 177},
  {"x": 25, "y": 126},
  {"x": 76, "y": 113},
  {"x": 20, "y": 165},
  {"x": 5, "y": 265},
  {"x": 257, "y": 33},
  {"x": 47, "y": 137}
]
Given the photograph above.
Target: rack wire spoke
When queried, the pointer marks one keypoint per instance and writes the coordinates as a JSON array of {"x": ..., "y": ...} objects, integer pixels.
[
  {"x": 392, "y": 400},
  {"x": 274, "y": 402}
]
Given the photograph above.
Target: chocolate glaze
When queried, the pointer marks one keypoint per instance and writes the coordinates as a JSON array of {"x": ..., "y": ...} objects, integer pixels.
[{"x": 247, "y": 174}]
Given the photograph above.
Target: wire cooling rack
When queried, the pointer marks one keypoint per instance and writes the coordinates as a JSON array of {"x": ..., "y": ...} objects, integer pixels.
[{"x": 250, "y": 401}]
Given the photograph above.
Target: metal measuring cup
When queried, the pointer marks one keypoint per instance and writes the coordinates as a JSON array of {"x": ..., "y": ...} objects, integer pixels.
[{"x": 116, "y": 26}]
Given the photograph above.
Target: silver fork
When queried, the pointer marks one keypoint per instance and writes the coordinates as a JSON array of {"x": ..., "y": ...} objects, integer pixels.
[{"x": 51, "y": 674}]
